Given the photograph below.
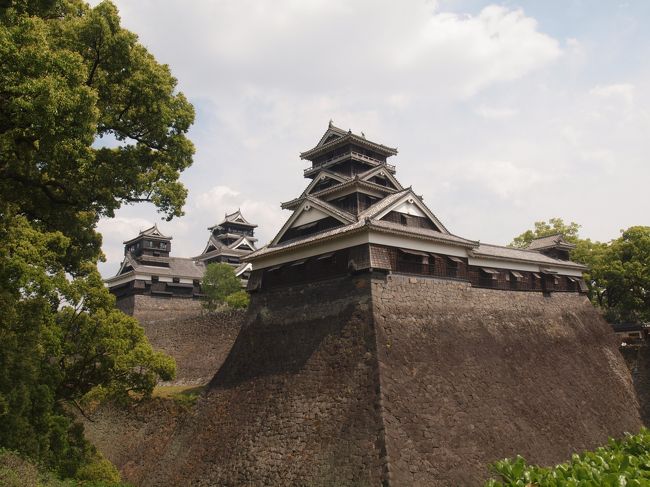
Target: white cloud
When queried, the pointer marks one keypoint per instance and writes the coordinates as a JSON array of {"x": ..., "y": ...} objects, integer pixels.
[
  {"x": 351, "y": 49},
  {"x": 620, "y": 91},
  {"x": 496, "y": 113},
  {"x": 498, "y": 123},
  {"x": 503, "y": 178},
  {"x": 216, "y": 198}
]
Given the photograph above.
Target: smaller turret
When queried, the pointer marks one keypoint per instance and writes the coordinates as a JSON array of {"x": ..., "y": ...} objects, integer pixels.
[
  {"x": 149, "y": 242},
  {"x": 552, "y": 245}
]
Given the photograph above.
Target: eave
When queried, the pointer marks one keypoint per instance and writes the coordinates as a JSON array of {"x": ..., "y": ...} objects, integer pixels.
[
  {"x": 346, "y": 139},
  {"x": 359, "y": 183}
]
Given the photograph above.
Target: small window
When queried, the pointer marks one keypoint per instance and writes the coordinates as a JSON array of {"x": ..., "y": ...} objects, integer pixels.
[
  {"x": 176, "y": 279},
  {"x": 163, "y": 245}
]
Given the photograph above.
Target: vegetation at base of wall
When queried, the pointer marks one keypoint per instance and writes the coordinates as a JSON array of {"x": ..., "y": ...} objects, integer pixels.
[
  {"x": 618, "y": 277},
  {"x": 71, "y": 75},
  {"x": 220, "y": 285},
  {"x": 622, "y": 463},
  {"x": 183, "y": 395},
  {"x": 16, "y": 471},
  {"x": 238, "y": 300}
]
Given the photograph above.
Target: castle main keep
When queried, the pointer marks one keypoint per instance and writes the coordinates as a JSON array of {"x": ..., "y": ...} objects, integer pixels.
[
  {"x": 355, "y": 215},
  {"x": 381, "y": 349}
]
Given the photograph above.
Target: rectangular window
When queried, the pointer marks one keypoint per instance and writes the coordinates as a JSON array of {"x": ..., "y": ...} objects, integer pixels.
[
  {"x": 516, "y": 279},
  {"x": 488, "y": 277},
  {"x": 452, "y": 266}
]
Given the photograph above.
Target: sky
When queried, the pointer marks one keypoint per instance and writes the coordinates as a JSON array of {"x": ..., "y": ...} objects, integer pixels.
[{"x": 504, "y": 113}]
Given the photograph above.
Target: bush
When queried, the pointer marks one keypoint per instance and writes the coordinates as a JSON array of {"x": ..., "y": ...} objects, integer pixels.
[
  {"x": 238, "y": 300},
  {"x": 100, "y": 470},
  {"x": 620, "y": 463},
  {"x": 219, "y": 282}
]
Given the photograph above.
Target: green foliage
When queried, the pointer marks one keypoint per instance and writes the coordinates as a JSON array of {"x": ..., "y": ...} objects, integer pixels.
[
  {"x": 619, "y": 271},
  {"x": 16, "y": 471},
  {"x": 100, "y": 470},
  {"x": 620, "y": 463},
  {"x": 623, "y": 275},
  {"x": 543, "y": 229},
  {"x": 69, "y": 76},
  {"x": 219, "y": 282},
  {"x": 238, "y": 300},
  {"x": 185, "y": 396}
]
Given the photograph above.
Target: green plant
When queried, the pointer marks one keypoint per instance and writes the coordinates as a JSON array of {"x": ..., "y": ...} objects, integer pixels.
[
  {"x": 238, "y": 300},
  {"x": 219, "y": 282},
  {"x": 622, "y": 463},
  {"x": 99, "y": 470}
]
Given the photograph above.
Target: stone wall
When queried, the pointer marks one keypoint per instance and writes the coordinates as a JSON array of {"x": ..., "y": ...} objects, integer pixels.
[
  {"x": 295, "y": 403},
  {"x": 638, "y": 361},
  {"x": 198, "y": 343},
  {"x": 155, "y": 309},
  {"x": 396, "y": 380},
  {"x": 469, "y": 376}
]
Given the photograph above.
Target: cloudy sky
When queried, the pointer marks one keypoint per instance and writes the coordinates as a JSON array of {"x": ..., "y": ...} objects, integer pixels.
[{"x": 503, "y": 113}]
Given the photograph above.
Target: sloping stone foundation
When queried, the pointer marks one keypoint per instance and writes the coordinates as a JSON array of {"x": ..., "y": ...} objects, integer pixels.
[
  {"x": 396, "y": 380},
  {"x": 469, "y": 376}
]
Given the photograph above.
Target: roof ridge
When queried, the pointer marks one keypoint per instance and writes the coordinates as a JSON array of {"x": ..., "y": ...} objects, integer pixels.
[{"x": 329, "y": 206}]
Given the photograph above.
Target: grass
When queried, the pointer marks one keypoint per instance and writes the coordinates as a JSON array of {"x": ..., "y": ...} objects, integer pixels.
[{"x": 183, "y": 395}]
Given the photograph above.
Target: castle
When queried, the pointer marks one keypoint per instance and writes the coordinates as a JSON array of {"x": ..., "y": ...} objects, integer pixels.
[
  {"x": 150, "y": 279},
  {"x": 355, "y": 215},
  {"x": 381, "y": 349}
]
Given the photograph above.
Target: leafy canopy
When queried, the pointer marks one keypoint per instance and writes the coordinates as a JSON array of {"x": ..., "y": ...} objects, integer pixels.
[
  {"x": 554, "y": 226},
  {"x": 219, "y": 282},
  {"x": 238, "y": 300},
  {"x": 89, "y": 121},
  {"x": 618, "y": 275}
]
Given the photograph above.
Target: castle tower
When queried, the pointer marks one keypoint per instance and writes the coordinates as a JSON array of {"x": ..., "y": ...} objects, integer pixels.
[
  {"x": 150, "y": 283},
  {"x": 355, "y": 215},
  {"x": 229, "y": 241},
  {"x": 381, "y": 349}
]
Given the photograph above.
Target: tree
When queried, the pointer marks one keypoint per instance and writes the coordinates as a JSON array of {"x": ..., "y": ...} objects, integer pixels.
[
  {"x": 219, "y": 282},
  {"x": 70, "y": 75},
  {"x": 618, "y": 275},
  {"x": 625, "y": 276},
  {"x": 543, "y": 229},
  {"x": 238, "y": 300}
]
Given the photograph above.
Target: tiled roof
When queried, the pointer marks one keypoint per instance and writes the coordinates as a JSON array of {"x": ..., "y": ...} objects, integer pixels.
[
  {"x": 178, "y": 267},
  {"x": 331, "y": 208},
  {"x": 383, "y": 204},
  {"x": 548, "y": 242},
  {"x": 151, "y": 232},
  {"x": 234, "y": 218},
  {"x": 421, "y": 232},
  {"x": 325, "y": 235},
  {"x": 350, "y": 182},
  {"x": 348, "y": 137},
  {"x": 497, "y": 251}
]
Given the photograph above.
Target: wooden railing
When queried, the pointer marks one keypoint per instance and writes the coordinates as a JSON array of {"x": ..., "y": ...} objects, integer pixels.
[{"x": 351, "y": 154}]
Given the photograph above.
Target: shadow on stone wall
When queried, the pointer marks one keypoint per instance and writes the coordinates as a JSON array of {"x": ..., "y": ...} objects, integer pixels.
[
  {"x": 638, "y": 361},
  {"x": 199, "y": 343},
  {"x": 393, "y": 381}
]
